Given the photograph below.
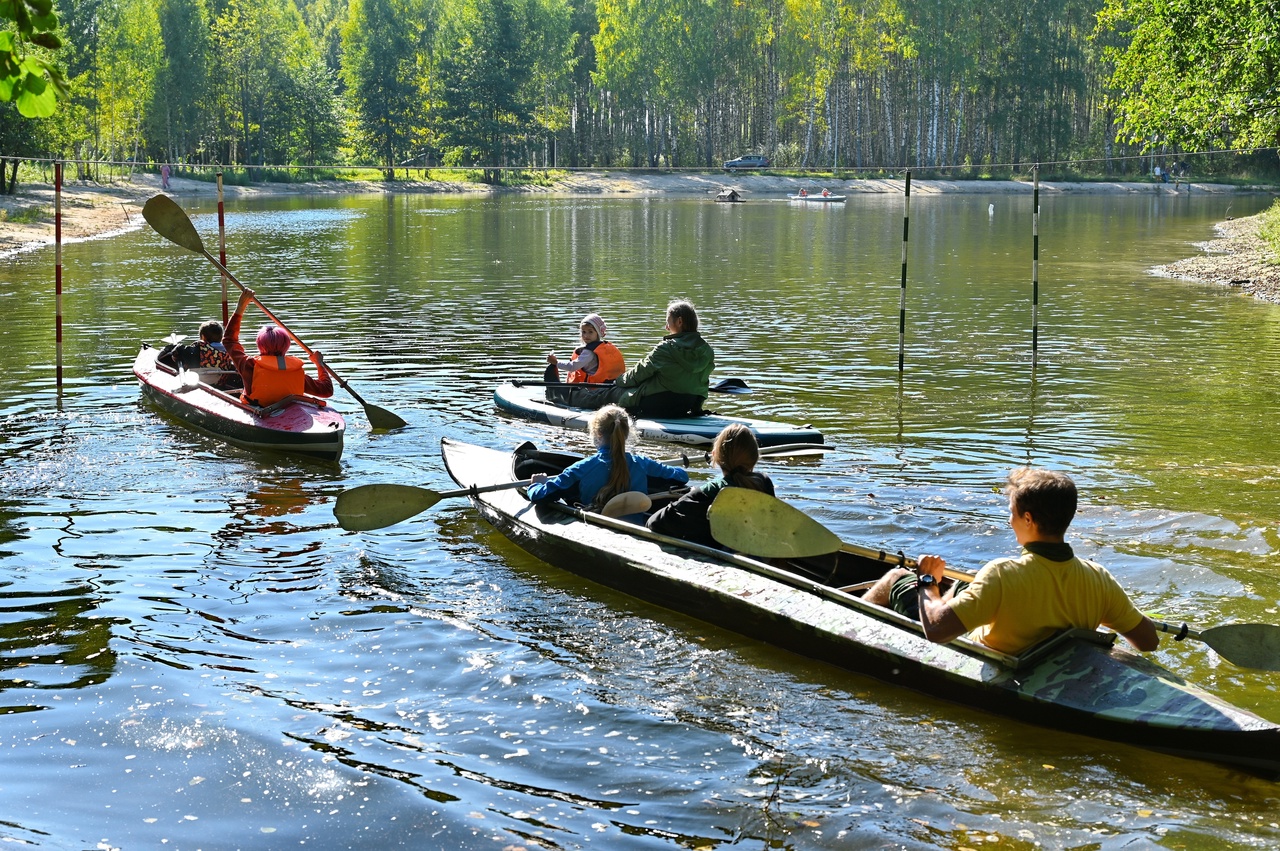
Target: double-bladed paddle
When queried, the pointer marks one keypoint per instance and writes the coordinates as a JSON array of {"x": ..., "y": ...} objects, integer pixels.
[
  {"x": 368, "y": 507},
  {"x": 724, "y": 385},
  {"x": 171, "y": 221},
  {"x": 756, "y": 524}
]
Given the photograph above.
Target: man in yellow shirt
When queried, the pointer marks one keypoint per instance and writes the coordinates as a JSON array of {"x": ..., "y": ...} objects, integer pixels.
[{"x": 1014, "y": 603}]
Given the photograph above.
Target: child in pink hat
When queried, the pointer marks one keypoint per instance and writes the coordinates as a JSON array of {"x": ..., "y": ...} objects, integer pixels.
[{"x": 594, "y": 362}]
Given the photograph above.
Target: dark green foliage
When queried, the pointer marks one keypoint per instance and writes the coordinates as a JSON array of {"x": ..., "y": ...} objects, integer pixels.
[{"x": 488, "y": 60}]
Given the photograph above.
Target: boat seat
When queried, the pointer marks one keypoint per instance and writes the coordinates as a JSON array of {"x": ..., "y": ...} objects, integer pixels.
[
  {"x": 274, "y": 407},
  {"x": 627, "y": 502}
]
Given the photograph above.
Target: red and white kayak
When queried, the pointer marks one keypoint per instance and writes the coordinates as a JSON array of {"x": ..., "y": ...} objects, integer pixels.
[{"x": 300, "y": 425}]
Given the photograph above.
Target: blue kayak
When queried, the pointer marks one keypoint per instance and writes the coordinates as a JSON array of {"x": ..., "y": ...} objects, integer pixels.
[{"x": 529, "y": 402}]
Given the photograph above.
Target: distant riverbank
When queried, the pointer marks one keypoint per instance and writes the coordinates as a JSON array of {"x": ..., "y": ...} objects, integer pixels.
[{"x": 1238, "y": 259}]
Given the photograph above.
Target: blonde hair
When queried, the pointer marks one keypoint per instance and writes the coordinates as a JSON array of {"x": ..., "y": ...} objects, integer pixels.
[
  {"x": 610, "y": 427},
  {"x": 735, "y": 451}
]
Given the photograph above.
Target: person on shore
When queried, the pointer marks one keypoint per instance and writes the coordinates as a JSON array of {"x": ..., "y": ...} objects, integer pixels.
[
  {"x": 1014, "y": 603},
  {"x": 736, "y": 452},
  {"x": 596, "y": 361},
  {"x": 272, "y": 375},
  {"x": 164, "y": 177},
  {"x": 672, "y": 380},
  {"x": 611, "y": 471}
]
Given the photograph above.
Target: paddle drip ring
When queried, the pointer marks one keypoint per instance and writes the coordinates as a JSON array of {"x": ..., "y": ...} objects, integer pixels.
[{"x": 1182, "y": 633}]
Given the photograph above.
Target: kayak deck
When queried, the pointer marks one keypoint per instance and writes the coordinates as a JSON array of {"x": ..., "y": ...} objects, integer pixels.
[
  {"x": 529, "y": 402},
  {"x": 1076, "y": 682},
  {"x": 299, "y": 426}
]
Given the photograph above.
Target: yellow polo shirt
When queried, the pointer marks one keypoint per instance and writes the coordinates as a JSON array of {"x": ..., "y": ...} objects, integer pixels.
[{"x": 1014, "y": 603}]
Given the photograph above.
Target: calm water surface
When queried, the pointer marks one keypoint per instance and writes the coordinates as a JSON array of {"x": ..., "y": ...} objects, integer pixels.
[{"x": 195, "y": 656}]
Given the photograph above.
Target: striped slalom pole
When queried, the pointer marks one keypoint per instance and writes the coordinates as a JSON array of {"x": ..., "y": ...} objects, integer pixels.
[
  {"x": 1035, "y": 265},
  {"x": 222, "y": 250},
  {"x": 902, "y": 298},
  {"x": 57, "y": 267}
]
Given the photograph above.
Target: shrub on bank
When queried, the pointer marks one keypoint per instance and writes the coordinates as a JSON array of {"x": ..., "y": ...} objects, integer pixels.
[{"x": 1269, "y": 230}]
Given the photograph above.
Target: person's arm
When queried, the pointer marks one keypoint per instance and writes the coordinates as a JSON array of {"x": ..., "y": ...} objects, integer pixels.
[
  {"x": 658, "y": 470},
  {"x": 231, "y": 341},
  {"x": 585, "y": 362},
  {"x": 541, "y": 488},
  {"x": 321, "y": 386},
  {"x": 1144, "y": 636},
  {"x": 940, "y": 623},
  {"x": 648, "y": 367}
]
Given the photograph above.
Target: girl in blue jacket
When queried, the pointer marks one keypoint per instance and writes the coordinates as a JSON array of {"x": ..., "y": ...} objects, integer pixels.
[{"x": 594, "y": 481}]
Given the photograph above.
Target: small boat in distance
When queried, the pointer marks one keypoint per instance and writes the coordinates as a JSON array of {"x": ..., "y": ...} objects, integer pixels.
[
  {"x": 729, "y": 196},
  {"x": 299, "y": 425},
  {"x": 817, "y": 197}
]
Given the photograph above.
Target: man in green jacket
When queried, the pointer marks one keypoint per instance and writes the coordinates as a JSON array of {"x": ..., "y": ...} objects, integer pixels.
[{"x": 671, "y": 381}]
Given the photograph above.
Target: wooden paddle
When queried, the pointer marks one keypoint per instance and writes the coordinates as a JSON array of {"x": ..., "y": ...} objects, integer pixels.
[
  {"x": 368, "y": 507},
  {"x": 171, "y": 221},
  {"x": 724, "y": 385},
  {"x": 754, "y": 523}
]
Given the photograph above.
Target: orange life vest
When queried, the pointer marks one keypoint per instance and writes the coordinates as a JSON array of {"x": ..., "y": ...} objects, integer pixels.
[
  {"x": 609, "y": 364},
  {"x": 275, "y": 377}
]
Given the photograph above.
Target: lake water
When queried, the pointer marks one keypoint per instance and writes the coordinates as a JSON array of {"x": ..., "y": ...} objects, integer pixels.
[{"x": 194, "y": 655}]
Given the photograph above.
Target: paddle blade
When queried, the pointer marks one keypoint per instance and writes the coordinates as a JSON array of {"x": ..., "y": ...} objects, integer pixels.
[
  {"x": 757, "y": 524},
  {"x": 368, "y": 507},
  {"x": 730, "y": 385},
  {"x": 795, "y": 449},
  {"x": 1248, "y": 645},
  {"x": 381, "y": 418},
  {"x": 170, "y": 221}
]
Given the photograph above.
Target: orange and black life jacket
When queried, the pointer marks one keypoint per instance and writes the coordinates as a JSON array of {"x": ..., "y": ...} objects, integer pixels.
[
  {"x": 609, "y": 364},
  {"x": 275, "y": 377},
  {"x": 211, "y": 358}
]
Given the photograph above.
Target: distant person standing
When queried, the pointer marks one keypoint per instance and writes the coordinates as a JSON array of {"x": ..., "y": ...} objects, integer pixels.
[{"x": 164, "y": 176}]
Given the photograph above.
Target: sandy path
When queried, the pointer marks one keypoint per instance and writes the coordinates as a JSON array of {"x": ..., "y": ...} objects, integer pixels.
[{"x": 1238, "y": 259}]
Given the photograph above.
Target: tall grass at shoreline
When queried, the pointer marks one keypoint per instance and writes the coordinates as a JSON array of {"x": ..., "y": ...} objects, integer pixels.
[{"x": 1269, "y": 230}]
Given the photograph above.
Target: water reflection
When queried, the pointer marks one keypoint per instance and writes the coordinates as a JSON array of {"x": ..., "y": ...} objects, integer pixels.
[
  {"x": 265, "y": 678},
  {"x": 51, "y": 639}
]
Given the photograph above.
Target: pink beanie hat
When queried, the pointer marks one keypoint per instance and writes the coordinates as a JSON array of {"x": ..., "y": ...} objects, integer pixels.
[
  {"x": 597, "y": 321},
  {"x": 273, "y": 340}
]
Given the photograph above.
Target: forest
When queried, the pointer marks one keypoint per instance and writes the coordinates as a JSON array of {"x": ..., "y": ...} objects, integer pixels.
[{"x": 1099, "y": 87}]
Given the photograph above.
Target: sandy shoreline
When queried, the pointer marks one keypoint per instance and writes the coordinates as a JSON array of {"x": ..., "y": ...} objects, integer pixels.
[{"x": 1237, "y": 259}]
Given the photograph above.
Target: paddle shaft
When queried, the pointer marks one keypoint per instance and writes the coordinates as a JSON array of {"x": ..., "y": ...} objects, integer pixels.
[
  {"x": 172, "y": 222},
  {"x": 719, "y": 387},
  {"x": 1244, "y": 645},
  {"x": 273, "y": 318},
  {"x": 683, "y": 461},
  {"x": 378, "y": 417}
]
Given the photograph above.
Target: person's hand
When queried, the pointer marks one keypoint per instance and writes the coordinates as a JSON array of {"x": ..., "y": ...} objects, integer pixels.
[
  {"x": 551, "y": 357},
  {"x": 246, "y": 298},
  {"x": 317, "y": 358},
  {"x": 537, "y": 478},
  {"x": 931, "y": 564}
]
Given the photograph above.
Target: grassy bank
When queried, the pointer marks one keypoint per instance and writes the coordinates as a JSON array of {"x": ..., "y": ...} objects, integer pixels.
[{"x": 1269, "y": 230}]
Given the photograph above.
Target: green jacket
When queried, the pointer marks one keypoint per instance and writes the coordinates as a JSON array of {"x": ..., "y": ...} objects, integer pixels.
[{"x": 681, "y": 363}]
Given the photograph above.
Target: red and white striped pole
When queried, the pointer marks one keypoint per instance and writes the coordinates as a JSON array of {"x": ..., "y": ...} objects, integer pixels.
[
  {"x": 57, "y": 265},
  {"x": 222, "y": 250}
]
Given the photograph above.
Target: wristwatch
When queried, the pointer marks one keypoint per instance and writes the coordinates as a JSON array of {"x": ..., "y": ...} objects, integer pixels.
[{"x": 925, "y": 580}]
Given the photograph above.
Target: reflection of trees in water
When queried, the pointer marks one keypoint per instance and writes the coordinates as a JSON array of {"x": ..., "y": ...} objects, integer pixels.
[{"x": 47, "y": 642}]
